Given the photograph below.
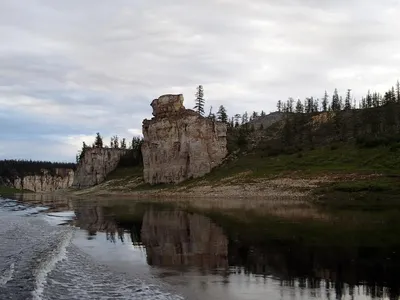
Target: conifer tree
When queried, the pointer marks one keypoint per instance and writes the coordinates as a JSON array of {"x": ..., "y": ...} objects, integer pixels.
[
  {"x": 222, "y": 116},
  {"x": 199, "y": 107},
  {"x": 123, "y": 144},
  {"x": 98, "y": 143},
  {"x": 368, "y": 100},
  {"x": 299, "y": 107},
  {"x": 279, "y": 106},
  {"x": 398, "y": 91},
  {"x": 245, "y": 118},
  {"x": 335, "y": 101},
  {"x": 347, "y": 103},
  {"x": 325, "y": 102},
  {"x": 237, "y": 120}
]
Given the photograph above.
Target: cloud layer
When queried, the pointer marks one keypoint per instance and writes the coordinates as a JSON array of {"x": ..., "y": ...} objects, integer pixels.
[{"x": 71, "y": 68}]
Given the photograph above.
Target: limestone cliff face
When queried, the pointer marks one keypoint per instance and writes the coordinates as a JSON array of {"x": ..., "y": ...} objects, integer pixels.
[
  {"x": 179, "y": 143},
  {"x": 46, "y": 181},
  {"x": 95, "y": 165},
  {"x": 176, "y": 238}
]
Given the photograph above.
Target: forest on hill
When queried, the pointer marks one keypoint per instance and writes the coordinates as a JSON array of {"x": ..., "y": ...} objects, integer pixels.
[
  {"x": 372, "y": 121},
  {"x": 19, "y": 168}
]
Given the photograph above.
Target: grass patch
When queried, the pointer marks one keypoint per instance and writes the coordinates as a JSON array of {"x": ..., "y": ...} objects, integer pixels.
[
  {"x": 326, "y": 160},
  {"x": 374, "y": 194},
  {"x": 341, "y": 159},
  {"x": 125, "y": 173}
]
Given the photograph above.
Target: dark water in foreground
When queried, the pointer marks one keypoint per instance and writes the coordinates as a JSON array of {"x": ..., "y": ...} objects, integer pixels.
[{"x": 227, "y": 249}]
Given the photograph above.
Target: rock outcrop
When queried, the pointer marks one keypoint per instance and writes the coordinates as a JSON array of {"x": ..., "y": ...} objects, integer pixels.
[
  {"x": 179, "y": 143},
  {"x": 177, "y": 238},
  {"x": 46, "y": 181},
  {"x": 95, "y": 165}
]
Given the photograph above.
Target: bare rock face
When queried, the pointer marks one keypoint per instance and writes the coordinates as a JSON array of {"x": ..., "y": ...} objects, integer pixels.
[
  {"x": 46, "y": 181},
  {"x": 179, "y": 143},
  {"x": 95, "y": 165}
]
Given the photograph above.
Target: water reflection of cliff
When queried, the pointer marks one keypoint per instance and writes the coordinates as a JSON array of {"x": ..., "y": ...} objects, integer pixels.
[
  {"x": 53, "y": 202},
  {"x": 176, "y": 238},
  {"x": 183, "y": 239}
]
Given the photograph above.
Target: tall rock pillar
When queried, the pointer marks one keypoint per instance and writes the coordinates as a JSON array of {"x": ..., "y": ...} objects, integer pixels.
[{"x": 179, "y": 143}]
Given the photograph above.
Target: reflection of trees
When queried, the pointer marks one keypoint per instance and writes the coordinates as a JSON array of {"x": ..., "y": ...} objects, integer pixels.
[
  {"x": 178, "y": 238},
  {"x": 93, "y": 220},
  {"x": 313, "y": 267}
]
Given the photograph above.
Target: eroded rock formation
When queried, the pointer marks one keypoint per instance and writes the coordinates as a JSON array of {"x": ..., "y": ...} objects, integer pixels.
[
  {"x": 177, "y": 238},
  {"x": 45, "y": 181},
  {"x": 179, "y": 143},
  {"x": 95, "y": 165}
]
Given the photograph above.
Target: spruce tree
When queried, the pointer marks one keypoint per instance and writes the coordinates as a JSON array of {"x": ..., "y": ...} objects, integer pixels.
[
  {"x": 368, "y": 100},
  {"x": 245, "y": 118},
  {"x": 98, "y": 143},
  {"x": 237, "y": 120},
  {"x": 398, "y": 91},
  {"x": 299, "y": 107},
  {"x": 199, "y": 107},
  {"x": 279, "y": 106},
  {"x": 123, "y": 144},
  {"x": 347, "y": 103},
  {"x": 222, "y": 116},
  {"x": 325, "y": 101},
  {"x": 116, "y": 142},
  {"x": 335, "y": 101}
]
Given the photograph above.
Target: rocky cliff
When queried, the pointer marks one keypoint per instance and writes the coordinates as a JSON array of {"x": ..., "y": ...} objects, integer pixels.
[
  {"x": 45, "y": 181},
  {"x": 95, "y": 165},
  {"x": 179, "y": 143},
  {"x": 177, "y": 238}
]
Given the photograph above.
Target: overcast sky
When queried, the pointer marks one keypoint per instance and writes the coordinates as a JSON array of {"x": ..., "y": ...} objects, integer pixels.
[{"x": 71, "y": 68}]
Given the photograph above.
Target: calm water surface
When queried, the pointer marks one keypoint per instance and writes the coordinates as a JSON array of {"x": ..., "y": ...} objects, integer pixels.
[{"x": 55, "y": 248}]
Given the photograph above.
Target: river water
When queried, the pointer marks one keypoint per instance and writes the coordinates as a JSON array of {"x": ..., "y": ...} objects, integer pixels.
[{"x": 55, "y": 248}]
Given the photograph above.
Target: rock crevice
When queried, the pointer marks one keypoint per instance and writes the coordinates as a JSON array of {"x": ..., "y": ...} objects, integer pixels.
[{"x": 179, "y": 143}]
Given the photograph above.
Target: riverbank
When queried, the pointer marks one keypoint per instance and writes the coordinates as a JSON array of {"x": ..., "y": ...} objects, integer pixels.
[{"x": 344, "y": 171}]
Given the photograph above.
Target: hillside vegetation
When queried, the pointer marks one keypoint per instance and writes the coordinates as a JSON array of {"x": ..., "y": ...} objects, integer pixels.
[{"x": 357, "y": 150}]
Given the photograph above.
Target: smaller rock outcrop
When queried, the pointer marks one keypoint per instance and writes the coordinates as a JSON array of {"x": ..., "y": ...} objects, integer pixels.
[
  {"x": 46, "y": 182},
  {"x": 42, "y": 181},
  {"x": 95, "y": 165},
  {"x": 180, "y": 144}
]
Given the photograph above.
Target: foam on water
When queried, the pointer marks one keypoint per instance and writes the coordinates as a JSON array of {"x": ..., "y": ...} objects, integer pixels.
[
  {"x": 39, "y": 260},
  {"x": 46, "y": 266},
  {"x": 58, "y": 218},
  {"x": 80, "y": 277},
  {"x": 7, "y": 275}
]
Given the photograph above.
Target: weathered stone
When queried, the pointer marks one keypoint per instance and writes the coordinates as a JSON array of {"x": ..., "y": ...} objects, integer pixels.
[
  {"x": 167, "y": 105},
  {"x": 95, "y": 165},
  {"x": 46, "y": 181},
  {"x": 179, "y": 143}
]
